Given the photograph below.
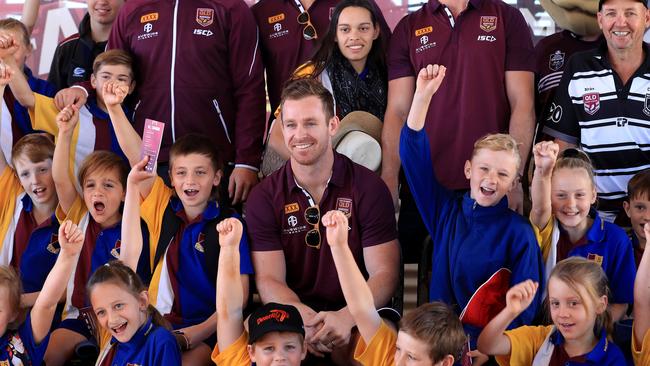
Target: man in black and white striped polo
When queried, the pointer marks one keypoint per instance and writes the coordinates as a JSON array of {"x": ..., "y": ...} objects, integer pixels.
[{"x": 602, "y": 103}]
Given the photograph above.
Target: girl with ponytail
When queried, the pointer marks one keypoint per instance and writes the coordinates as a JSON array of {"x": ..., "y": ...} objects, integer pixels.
[{"x": 139, "y": 334}]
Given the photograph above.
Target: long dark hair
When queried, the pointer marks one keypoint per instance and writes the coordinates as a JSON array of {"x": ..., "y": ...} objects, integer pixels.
[{"x": 328, "y": 47}]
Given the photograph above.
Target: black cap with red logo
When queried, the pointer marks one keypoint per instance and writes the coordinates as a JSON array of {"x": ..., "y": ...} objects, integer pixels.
[{"x": 274, "y": 317}]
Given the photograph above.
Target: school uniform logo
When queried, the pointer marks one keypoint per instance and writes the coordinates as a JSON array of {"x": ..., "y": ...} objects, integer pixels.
[
  {"x": 200, "y": 243},
  {"x": 556, "y": 60},
  {"x": 595, "y": 258},
  {"x": 646, "y": 105},
  {"x": 53, "y": 247},
  {"x": 115, "y": 252},
  {"x": 204, "y": 16},
  {"x": 591, "y": 102},
  {"x": 488, "y": 23}
]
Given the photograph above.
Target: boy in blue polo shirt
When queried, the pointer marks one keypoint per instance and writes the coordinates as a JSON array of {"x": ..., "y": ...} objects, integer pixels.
[
  {"x": 183, "y": 243},
  {"x": 28, "y": 228},
  {"x": 637, "y": 208},
  {"x": 481, "y": 247}
]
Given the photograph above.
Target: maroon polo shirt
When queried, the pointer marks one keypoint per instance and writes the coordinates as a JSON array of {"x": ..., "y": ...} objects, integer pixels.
[
  {"x": 281, "y": 41},
  {"x": 489, "y": 38},
  {"x": 276, "y": 221}
]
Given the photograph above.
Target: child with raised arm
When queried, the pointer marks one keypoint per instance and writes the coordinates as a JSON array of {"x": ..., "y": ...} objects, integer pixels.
[
  {"x": 481, "y": 247},
  {"x": 566, "y": 225},
  {"x": 276, "y": 334},
  {"x": 183, "y": 241},
  {"x": 103, "y": 123},
  {"x": 24, "y": 340},
  {"x": 641, "y": 327},
  {"x": 577, "y": 300},
  {"x": 28, "y": 228},
  {"x": 97, "y": 210},
  {"x": 429, "y": 335}
]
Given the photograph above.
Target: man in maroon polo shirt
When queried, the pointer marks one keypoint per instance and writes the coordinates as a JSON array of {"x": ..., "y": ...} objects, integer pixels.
[
  {"x": 293, "y": 263},
  {"x": 488, "y": 51},
  {"x": 287, "y": 42}
]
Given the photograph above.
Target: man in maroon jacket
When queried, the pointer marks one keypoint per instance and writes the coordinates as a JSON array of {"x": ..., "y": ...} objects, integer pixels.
[{"x": 198, "y": 69}]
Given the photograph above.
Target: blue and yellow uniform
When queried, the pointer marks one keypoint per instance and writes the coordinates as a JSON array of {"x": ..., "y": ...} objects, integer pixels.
[
  {"x": 604, "y": 243},
  {"x": 17, "y": 347},
  {"x": 29, "y": 247},
  {"x": 183, "y": 285},
  {"x": 150, "y": 345},
  {"x": 100, "y": 247}
]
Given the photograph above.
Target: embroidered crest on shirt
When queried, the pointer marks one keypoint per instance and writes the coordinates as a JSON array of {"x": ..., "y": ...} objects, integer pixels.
[
  {"x": 115, "y": 252},
  {"x": 646, "y": 105},
  {"x": 204, "y": 16},
  {"x": 488, "y": 23},
  {"x": 16, "y": 353},
  {"x": 200, "y": 246},
  {"x": 344, "y": 205},
  {"x": 556, "y": 60},
  {"x": 591, "y": 102},
  {"x": 595, "y": 258},
  {"x": 53, "y": 247}
]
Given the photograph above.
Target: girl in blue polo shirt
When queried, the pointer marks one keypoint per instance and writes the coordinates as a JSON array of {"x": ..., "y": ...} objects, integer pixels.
[
  {"x": 577, "y": 300},
  {"x": 139, "y": 334},
  {"x": 565, "y": 224},
  {"x": 23, "y": 340}
]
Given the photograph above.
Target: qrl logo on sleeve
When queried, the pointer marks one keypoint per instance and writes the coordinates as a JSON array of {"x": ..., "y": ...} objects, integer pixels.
[{"x": 591, "y": 102}]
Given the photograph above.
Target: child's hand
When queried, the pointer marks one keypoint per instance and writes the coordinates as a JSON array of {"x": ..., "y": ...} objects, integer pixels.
[
  {"x": 545, "y": 154},
  {"x": 114, "y": 92},
  {"x": 520, "y": 296},
  {"x": 429, "y": 79},
  {"x": 67, "y": 119},
  {"x": 6, "y": 72},
  {"x": 71, "y": 238},
  {"x": 230, "y": 232},
  {"x": 8, "y": 46},
  {"x": 337, "y": 228},
  {"x": 138, "y": 174}
]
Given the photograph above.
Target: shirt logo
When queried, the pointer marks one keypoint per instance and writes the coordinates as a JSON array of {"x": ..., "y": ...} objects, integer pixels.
[
  {"x": 149, "y": 18},
  {"x": 292, "y": 207},
  {"x": 148, "y": 27},
  {"x": 646, "y": 105},
  {"x": 54, "y": 247},
  {"x": 555, "y": 113},
  {"x": 292, "y": 221},
  {"x": 276, "y": 18},
  {"x": 484, "y": 38},
  {"x": 78, "y": 72},
  {"x": 591, "y": 102},
  {"x": 148, "y": 32},
  {"x": 115, "y": 252},
  {"x": 275, "y": 314},
  {"x": 344, "y": 205},
  {"x": 596, "y": 258},
  {"x": 422, "y": 31},
  {"x": 199, "y": 245},
  {"x": 204, "y": 16},
  {"x": 621, "y": 122},
  {"x": 556, "y": 60},
  {"x": 424, "y": 41},
  {"x": 488, "y": 23},
  {"x": 277, "y": 27},
  {"x": 203, "y": 32}
]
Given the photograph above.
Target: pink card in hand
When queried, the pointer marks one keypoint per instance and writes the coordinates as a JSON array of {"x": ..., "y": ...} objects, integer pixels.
[{"x": 151, "y": 140}]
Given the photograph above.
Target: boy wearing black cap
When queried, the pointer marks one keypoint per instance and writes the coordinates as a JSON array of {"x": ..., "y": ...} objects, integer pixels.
[{"x": 276, "y": 333}]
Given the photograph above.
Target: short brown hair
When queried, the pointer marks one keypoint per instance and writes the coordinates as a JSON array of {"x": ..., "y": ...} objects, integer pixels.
[
  {"x": 639, "y": 186},
  {"x": 300, "y": 88},
  {"x": 102, "y": 160},
  {"x": 498, "y": 142},
  {"x": 11, "y": 280},
  {"x": 36, "y": 147},
  {"x": 13, "y": 24},
  {"x": 438, "y": 326},
  {"x": 197, "y": 144},
  {"x": 113, "y": 57}
]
